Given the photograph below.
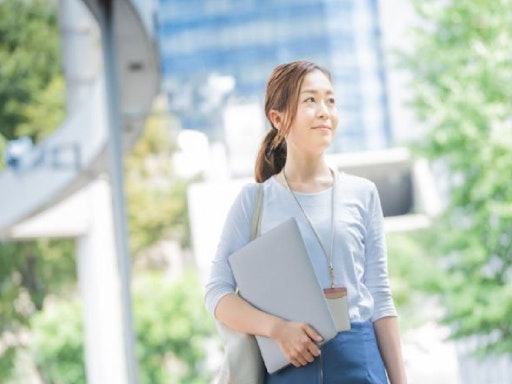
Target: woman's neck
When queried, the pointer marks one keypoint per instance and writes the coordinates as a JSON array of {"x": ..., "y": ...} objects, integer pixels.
[{"x": 307, "y": 175}]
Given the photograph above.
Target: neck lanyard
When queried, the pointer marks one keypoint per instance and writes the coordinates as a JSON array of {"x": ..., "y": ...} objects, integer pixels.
[{"x": 328, "y": 256}]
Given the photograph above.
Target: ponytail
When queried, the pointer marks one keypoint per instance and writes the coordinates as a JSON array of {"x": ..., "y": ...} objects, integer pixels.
[{"x": 271, "y": 156}]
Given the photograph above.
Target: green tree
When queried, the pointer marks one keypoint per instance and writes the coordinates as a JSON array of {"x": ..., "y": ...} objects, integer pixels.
[
  {"x": 462, "y": 74},
  {"x": 31, "y": 88},
  {"x": 29, "y": 272},
  {"x": 172, "y": 327},
  {"x": 57, "y": 343},
  {"x": 31, "y": 103}
]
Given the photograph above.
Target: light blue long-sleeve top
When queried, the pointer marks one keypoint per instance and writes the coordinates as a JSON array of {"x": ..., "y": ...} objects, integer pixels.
[{"x": 359, "y": 254}]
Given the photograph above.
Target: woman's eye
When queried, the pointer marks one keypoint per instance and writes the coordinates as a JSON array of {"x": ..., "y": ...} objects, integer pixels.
[
  {"x": 310, "y": 100},
  {"x": 332, "y": 101}
]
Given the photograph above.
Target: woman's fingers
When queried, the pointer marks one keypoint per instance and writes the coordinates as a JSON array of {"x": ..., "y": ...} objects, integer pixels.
[
  {"x": 314, "y": 337},
  {"x": 313, "y": 334},
  {"x": 298, "y": 342},
  {"x": 306, "y": 349}
]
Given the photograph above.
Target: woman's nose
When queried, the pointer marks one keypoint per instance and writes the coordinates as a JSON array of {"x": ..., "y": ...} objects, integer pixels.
[{"x": 323, "y": 110}]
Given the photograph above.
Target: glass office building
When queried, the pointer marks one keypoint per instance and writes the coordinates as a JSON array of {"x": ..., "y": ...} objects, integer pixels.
[{"x": 217, "y": 53}]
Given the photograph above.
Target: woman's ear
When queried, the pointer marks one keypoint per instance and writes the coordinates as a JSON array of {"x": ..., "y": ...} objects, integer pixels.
[{"x": 276, "y": 118}]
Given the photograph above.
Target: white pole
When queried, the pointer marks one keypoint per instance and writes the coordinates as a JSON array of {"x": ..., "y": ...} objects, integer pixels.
[{"x": 100, "y": 289}]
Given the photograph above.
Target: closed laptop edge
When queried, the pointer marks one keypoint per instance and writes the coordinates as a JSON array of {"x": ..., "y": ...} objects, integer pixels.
[{"x": 274, "y": 274}]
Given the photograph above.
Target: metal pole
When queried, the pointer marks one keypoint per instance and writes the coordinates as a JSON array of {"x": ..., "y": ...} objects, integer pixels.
[{"x": 115, "y": 149}]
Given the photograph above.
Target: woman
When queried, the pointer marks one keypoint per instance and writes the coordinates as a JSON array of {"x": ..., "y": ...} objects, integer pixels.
[{"x": 340, "y": 219}]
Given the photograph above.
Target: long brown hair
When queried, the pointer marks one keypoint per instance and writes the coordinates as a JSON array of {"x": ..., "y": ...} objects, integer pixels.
[{"x": 282, "y": 95}]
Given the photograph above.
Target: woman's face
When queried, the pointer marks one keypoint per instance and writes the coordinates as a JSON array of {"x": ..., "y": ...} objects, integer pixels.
[{"x": 316, "y": 119}]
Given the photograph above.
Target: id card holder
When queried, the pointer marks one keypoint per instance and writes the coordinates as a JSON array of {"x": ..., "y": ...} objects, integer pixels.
[{"x": 338, "y": 305}]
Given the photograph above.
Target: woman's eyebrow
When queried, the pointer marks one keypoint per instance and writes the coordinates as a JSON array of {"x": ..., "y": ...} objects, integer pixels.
[{"x": 314, "y": 91}]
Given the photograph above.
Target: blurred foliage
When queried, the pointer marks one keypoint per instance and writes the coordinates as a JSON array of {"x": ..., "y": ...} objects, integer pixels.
[
  {"x": 7, "y": 363},
  {"x": 31, "y": 86},
  {"x": 461, "y": 84},
  {"x": 413, "y": 277},
  {"x": 31, "y": 103},
  {"x": 156, "y": 196},
  {"x": 29, "y": 272},
  {"x": 171, "y": 326},
  {"x": 3, "y": 147},
  {"x": 46, "y": 111},
  {"x": 57, "y": 343}
]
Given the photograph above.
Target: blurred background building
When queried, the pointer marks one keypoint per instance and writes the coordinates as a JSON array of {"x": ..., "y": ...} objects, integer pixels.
[{"x": 217, "y": 56}]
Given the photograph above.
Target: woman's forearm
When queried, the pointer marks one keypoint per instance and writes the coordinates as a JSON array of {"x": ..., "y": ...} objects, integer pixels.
[
  {"x": 239, "y": 315},
  {"x": 297, "y": 341},
  {"x": 388, "y": 339}
]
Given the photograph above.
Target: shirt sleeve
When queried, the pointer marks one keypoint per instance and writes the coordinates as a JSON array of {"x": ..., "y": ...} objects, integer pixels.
[
  {"x": 376, "y": 268},
  {"x": 235, "y": 234}
]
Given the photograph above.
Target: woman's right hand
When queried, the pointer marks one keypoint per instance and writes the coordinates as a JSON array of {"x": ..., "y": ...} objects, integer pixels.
[{"x": 297, "y": 341}]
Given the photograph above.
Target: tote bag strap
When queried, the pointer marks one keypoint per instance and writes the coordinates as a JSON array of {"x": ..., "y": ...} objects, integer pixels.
[
  {"x": 242, "y": 362},
  {"x": 256, "y": 215}
]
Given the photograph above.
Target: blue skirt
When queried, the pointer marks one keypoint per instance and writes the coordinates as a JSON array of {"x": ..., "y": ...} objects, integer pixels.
[{"x": 352, "y": 357}]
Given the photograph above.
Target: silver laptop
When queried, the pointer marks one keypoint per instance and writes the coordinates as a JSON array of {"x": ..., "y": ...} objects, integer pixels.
[{"x": 275, "y": 274}]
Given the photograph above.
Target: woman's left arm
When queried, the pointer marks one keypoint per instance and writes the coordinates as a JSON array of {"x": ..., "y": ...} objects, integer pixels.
[
  {"x": 388, "y": 339},
  {"x": 384, "y": 318}
]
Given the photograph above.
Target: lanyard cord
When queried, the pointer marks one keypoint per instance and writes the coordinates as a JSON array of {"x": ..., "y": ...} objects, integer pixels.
[{"x": 328, "y": 256}]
